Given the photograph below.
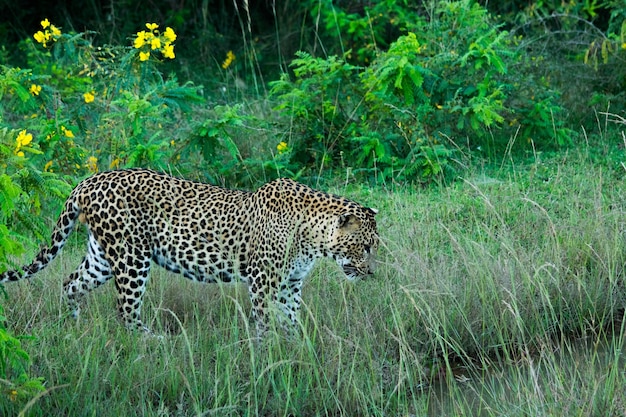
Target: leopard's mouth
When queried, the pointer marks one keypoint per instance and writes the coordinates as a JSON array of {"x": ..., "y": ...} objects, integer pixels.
[{"x": 353, "y": 273}]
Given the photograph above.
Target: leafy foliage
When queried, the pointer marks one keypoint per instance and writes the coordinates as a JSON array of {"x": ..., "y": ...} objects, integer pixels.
[
  {"x": 213, "y": 139},
  {"x": 377, "y": 84},
  {"x": 445, "y": 82},
  {"x": 15, "y": 383},
  {"x": 322, "y": 103}
]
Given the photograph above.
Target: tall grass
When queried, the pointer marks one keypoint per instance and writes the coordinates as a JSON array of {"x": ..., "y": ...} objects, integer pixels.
[{"x": 500, "y": 295}]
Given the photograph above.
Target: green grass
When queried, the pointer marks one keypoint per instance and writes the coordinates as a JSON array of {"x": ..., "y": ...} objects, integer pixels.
[{"x": 500, "y": 295}]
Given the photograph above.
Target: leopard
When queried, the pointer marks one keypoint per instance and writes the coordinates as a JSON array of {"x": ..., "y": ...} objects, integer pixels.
[{"x": 269, "y": 239}]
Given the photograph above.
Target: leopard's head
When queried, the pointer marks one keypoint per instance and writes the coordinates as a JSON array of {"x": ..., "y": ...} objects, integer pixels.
[{"x": 354, "y": 241}]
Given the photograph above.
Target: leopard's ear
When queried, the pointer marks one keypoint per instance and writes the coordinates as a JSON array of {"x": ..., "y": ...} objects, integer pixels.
[
  {"x": 373, "y": 210},
  {"x": 349, "y": 221}
]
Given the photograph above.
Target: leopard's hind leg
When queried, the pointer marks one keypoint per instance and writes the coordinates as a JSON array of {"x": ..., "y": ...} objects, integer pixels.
[{"x": 93, "y": 271}]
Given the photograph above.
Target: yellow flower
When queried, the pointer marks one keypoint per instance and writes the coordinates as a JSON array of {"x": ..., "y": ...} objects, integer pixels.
[
  {"x": 230, "y": 57},
  {"x": 13, "y": 395},
  {"x": 115, "y": 163},
  {"x": 152, "y": 26},
  {"x": 56, "y": 32},
  {"x": 140, "y": 40},
  {"x": 68, "y": 133},
  {"x": 155, "y": 43},
  {"x": 23, "y": 139},
  {"x": 169, "y": 35},
  {"x": 35, "y": 89},
  {"x": 45, "y": 23},
  {"x": 89, "y": 96},
  {"x": 40, "y": 37},
  {"x": 92, "y": 164},
  {"x": 282, "y": 147},
  {"x": 144, "y": 56},
  {"x": 168, "y": 51}
]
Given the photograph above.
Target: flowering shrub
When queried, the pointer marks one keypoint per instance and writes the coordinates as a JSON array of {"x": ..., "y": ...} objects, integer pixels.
[{"x": 85, "y": 107}]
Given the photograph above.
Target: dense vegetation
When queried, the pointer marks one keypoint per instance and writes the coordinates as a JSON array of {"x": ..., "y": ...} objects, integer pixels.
[{"x": 510, "y": 114}]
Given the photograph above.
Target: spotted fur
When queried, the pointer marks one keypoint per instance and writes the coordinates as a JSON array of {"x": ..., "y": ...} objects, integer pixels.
[{"x": 268, "y": 239}]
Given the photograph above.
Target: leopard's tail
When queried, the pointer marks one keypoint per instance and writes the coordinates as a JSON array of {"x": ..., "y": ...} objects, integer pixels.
[{"x": 61, "y": 232}]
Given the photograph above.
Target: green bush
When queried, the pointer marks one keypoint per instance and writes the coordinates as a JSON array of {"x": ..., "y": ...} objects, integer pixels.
[
  {"x": 574, "y": 47},
  {"x": 444, "y": 86}
]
